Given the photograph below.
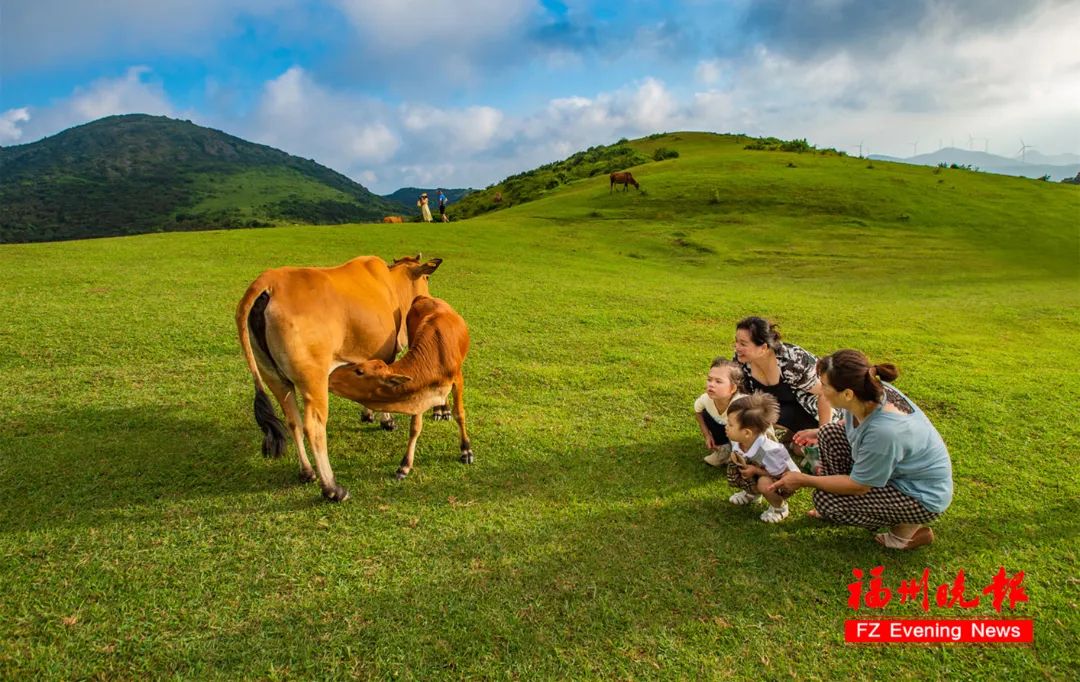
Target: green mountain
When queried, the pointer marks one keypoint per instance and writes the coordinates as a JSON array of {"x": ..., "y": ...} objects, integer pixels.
[
  {"x": 406, "y": 197},
  {"x": 136, "y": 173}
]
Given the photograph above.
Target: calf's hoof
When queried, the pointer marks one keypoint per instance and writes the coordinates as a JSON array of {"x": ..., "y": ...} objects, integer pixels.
[
  {"x": 401, "y": 474},
  {"x": 388, "y": 425},
  {"x": 466, "y": 457},
  {"x": 367, "y": 417},
  {"x": 307, "y": 476},
  {"x": 335, "y": 494}
]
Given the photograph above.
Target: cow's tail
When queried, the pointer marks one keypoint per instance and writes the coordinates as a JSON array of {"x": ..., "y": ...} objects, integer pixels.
[{"x": 251, "y": 319}]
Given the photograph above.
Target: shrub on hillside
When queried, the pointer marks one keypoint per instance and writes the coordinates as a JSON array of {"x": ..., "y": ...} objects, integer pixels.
[
  {"x": 662, "y": 153},
  {"x": 530, "y": 185},
  {"x": 798, "y": 146}
]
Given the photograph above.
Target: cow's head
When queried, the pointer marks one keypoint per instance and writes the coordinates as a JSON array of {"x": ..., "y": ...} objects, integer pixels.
[
  {"x": 410, "y": 279},
  {"x": 415, "y": 272},
  {"x": 366, "y": 380}
]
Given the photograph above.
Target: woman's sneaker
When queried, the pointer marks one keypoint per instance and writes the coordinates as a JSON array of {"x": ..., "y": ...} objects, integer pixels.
[
  {"x": 774, "y": 514},
  {"x": 742, "y": 497}
]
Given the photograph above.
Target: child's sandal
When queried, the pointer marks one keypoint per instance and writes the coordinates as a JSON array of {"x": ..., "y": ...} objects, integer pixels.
[
  {"x": 774, "y": 515},
  {"x": 742, "y": 497}
]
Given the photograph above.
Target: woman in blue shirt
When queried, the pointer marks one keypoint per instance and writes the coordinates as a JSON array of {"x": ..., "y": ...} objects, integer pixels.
[{"x": 883, "y": 465}]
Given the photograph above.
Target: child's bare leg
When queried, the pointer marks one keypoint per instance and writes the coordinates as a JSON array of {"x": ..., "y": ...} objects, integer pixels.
[{"x": 774, "y": 498}]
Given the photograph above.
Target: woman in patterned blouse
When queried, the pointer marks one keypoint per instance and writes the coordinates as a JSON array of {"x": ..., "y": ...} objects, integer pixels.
[{"x": 786, "y": 372}]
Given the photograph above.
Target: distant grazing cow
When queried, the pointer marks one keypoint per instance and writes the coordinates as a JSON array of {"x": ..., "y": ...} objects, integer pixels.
[
  {"x": 624, "y": 178},
  {"x": 498, "y": 198},
  {"x": 438, "y": 342},
  {"x": 393, "y": 219},
  {"x": 306, "y": 322}
]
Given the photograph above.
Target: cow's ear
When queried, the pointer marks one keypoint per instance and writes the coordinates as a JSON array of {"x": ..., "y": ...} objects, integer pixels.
[
  {"x": 396, "y": 379},
  {"x": 429, "y": 267}
]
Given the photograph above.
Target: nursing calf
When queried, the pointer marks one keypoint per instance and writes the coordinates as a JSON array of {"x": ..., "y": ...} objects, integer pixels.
[
  {"x": 296, "y": 325},
  {"x": 421, "y": 379}
]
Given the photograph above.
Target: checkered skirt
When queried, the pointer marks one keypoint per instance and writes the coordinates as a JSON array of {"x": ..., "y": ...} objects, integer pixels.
[{"x": 878, "y": 508}]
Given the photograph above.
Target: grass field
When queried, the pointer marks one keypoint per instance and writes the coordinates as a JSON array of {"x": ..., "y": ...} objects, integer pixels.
[{"x": 143, "y": 535}]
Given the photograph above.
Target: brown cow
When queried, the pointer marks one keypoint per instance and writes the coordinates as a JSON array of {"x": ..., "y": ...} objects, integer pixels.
[
  {"x": 308, "y": 321},
  {"x": 393, "y": 219},
  {"x": 422, "y": 378},
  {"x": 624, "y": 178}
]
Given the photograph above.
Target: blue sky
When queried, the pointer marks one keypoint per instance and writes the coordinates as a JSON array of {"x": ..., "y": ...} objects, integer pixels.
[{"x": 463, "y": 93}]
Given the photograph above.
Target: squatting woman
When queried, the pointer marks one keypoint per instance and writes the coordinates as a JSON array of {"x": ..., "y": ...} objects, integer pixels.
[{"x": 884, "y": 464}]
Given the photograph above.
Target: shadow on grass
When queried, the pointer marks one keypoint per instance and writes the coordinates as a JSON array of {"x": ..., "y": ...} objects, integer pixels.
[
  {"x": 599, "y": 559},
  {"x": 92, "y": 466},
  {"x": 605, "y": 475},
  {"x": 77, "y": 466},
  {"x": 591, "y": 590}
]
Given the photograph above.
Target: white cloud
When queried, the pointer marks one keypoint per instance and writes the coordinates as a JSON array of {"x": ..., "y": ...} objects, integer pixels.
[
  {"x": 942, "y": 83},
  {"x": 404, "y": 26},
  {"x": 128, "y": 94},
  {"x": 708, "y": 72},
  {"x": 654, "y": 107},
  {"x": 10, "y": 132},
  {"x": 434, "y": 40},
  {"x": 339, "y": 130},
  {"x": 137, "y": 91},
  {"x": 470, "y": 129}
]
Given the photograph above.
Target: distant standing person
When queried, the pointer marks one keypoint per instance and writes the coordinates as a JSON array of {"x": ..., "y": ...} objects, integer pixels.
[
  {"x": 443, "y": 201},
  {"x": 425, "y": 212}
]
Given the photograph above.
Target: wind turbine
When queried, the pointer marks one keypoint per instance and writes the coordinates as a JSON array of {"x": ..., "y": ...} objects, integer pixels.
[
  {"x": 915, "y": 148},
  {"x": 971, "y": 142},
  {"x": 1023, "y": 150},
  {"x": 986, "y": 145},
  {"x": 860, "y": 148}
]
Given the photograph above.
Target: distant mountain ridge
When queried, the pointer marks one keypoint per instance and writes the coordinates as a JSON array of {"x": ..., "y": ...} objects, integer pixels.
[
  {"x": 136, "y": 173},
  {"x": 1035, "y": 166}
]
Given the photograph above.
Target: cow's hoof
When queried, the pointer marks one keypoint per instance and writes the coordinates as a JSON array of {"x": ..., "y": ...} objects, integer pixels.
[
  {"x": 307, "y": 476},
  {"x": 401, "y": 474},
  {"x": 466, "y": 457},
  {"x": 388, "y": 425},
  {"x": 336, "y": 494},
  {"x": 367, "y": 417}
]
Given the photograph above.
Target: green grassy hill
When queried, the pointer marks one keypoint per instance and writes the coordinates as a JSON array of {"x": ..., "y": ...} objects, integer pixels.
[
  {"x": 136, "y": 173},
  {"x": 144, "y": 535}
]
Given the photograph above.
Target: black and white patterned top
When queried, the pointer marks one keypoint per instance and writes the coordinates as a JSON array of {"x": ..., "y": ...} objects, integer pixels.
[{"x": 797, "y": 370}]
